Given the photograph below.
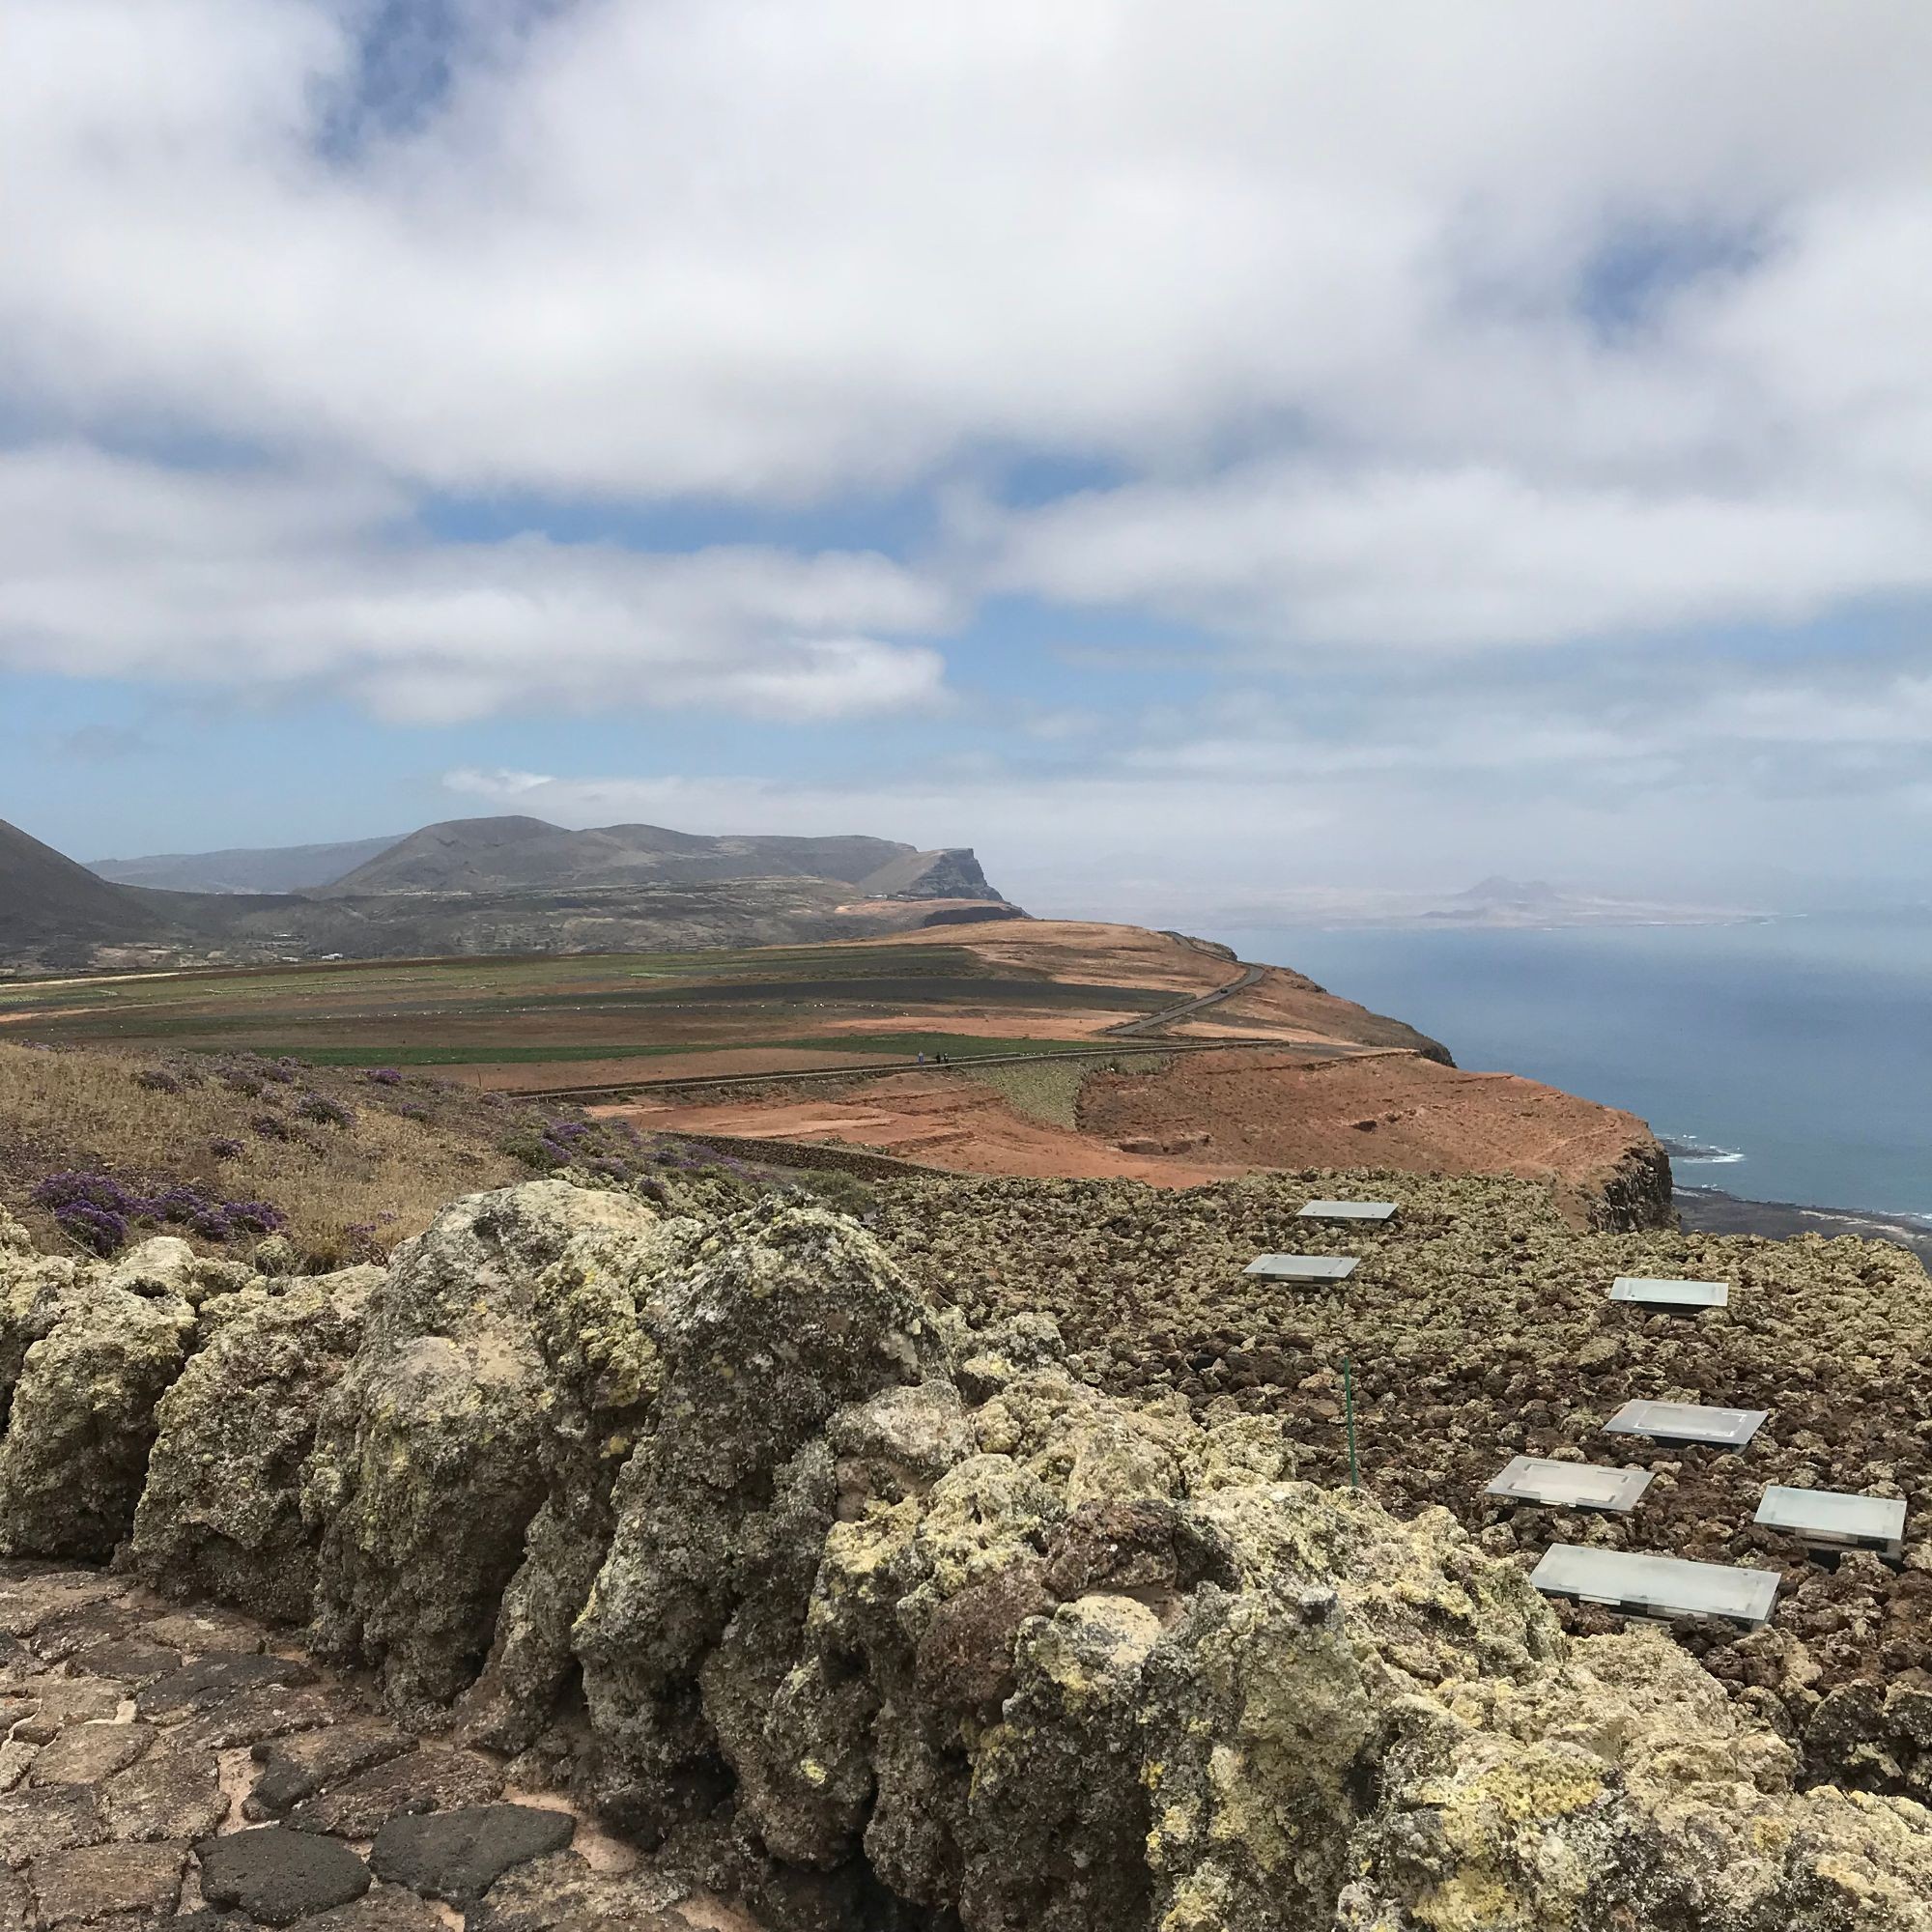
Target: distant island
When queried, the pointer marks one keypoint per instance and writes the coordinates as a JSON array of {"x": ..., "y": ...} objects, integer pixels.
[{"x": 1496, "y": 901}]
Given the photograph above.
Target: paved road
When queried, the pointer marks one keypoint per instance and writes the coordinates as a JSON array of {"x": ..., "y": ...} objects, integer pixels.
[{"x": 1154, "y": 1022}]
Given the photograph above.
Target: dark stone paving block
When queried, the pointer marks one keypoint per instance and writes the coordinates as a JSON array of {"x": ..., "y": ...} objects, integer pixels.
[
  {"x": 55, "y": 1702},
  {"x": 269, "y": 1710},
  {"x": 458, "y": 1856},
  {"x": 278, "y": 1876},
  {"x": 34, "y": 1820},
  {"x": 26, "y": 1603},
  {"x": 389, "y": 1908},
  {"x": 215, "y": 1678},
  {"x": 88, "y": 1753},
  {"x": 171, "y": 1793},
  {"x": 73, "y": 1887},
  {"x": 203, "y": 1630},
  {"x": 562, "y": 1894},
  {"x": 17, "y": 1663},
  {"x": 297, "y": 1768},
  {"x": 429, "y": 1778},
  {"x": 15, "y": 1761},
  {"x": 129, "y": 1660},
  {"x": 66, "y": 1632}
]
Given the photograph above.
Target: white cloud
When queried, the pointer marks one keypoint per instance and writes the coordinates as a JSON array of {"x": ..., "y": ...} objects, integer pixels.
[
  {"x": 747, "y": 248},
  {"x": 120, "y": 569},
  {"x": 1313, "y": 284},
  {"x": 1286, "y": 555}
]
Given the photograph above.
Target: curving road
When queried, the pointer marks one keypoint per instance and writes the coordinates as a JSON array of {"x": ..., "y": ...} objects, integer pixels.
[{"x": 1154, "y": 1022}]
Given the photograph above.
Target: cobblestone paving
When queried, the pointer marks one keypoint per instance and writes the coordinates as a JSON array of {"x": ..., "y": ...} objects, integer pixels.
[{"x": 169, "y": 1767}]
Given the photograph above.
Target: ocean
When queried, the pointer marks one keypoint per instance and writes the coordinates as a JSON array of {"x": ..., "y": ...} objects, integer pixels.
[{"x": 1793, "y": 1055}]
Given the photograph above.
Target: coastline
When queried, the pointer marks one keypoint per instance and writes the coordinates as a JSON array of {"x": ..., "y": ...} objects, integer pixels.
[{"x": 1711, "y": 1211}]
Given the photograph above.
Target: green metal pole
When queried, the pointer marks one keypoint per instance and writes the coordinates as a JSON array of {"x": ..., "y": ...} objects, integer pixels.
[{"x": 1349, "y": 1402}]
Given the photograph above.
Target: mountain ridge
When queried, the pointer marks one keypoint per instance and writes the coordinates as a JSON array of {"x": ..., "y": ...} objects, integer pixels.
[{"x": 487, "y": 886}]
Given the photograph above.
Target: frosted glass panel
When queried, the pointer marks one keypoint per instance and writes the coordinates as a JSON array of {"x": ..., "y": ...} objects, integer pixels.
[
  {"x": 1303, "y": 1267},
  {"x": 1349, "y": 1210},
  {"x": 1536, "y": 1479},
  {"x": 1687, "y": 1422},
  {"x": 1829, "y": 1516},
  {"x": 1663, "y": 1294},
  {"x": 1656, "y": 1586}
]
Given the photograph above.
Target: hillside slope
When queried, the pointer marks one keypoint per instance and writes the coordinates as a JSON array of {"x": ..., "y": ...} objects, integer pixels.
[{"x": 49, "y": 903}]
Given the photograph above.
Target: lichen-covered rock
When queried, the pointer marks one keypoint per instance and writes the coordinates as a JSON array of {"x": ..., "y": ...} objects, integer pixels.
[
  {"x": 780, "y": 1318},
  {"x": 99, "y": 1357},
  {"x": 597, "y": 1320},
  {"x": 427, "y": 1466},
  {"x": 221, "y": 1513}
]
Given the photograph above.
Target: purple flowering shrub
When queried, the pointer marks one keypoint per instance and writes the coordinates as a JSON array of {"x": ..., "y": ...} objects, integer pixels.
[
  {"x": 383, "y": 1076},
  {"x": 99, "y": 1210}
]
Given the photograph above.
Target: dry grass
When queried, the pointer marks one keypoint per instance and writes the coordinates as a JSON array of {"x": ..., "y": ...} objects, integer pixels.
[
  {"x": 1043, "y": 1091},
  {"x": 345, "y": 1190}
]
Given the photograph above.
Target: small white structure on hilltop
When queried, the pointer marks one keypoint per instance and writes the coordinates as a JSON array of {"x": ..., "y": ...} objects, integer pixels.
[
  {"x": 1303, "y": 1267},
  {"x": 1830, "y": 1520},
  {"x": 1577, "y": 1486},
  {"x": 1687, "y": 1422},
  {"x": 1659, "y": 1291},
  {"x": 1657, "y": 1586}
]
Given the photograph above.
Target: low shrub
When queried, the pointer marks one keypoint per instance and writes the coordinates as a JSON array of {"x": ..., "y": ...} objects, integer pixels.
[
  {"x": 325, "y": 1112},
  {"x": 100, "y": 1212}
]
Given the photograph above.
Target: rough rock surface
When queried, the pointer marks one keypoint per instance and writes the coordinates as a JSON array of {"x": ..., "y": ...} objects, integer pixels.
[
  {"x": 892, "y": 1622},
  {"x": 221, "y": 1513},
  {"x": 96, "y": 1352}
]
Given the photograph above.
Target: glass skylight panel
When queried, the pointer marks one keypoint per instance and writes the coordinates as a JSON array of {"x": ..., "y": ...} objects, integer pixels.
[
  {"x": 1349, "y": 1210},
  {"x": 1582, "y": 1486},
  {"x": 1656, "y": 1586},
  {"x": 1687, "y": 1422},
  {"x": 1833, "y": 1518},
  {"x": 1303, "y": 1267},
  {"x": 1656, "y": 1291}
]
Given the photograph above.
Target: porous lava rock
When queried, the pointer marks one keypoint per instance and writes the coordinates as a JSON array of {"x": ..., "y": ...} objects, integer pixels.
[
  {"x": 220, "y": 1515},
  {"x": 96, "y": 1350}
]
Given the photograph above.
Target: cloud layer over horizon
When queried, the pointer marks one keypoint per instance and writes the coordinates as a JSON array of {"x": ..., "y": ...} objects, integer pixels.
[{"x": 1499, "y": 431}]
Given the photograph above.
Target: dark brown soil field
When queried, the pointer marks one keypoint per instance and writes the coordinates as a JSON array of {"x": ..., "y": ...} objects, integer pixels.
[{"x": 1477, "y": 1328}]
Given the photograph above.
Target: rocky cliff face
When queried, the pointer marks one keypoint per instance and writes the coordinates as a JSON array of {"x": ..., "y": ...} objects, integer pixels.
[{"x": 895, "y": 1622}]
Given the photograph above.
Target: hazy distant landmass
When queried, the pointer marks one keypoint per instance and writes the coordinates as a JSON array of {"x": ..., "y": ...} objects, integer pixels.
[
  {"x": 275, "y": 868},
  {"x": 1494, "y": 901}
]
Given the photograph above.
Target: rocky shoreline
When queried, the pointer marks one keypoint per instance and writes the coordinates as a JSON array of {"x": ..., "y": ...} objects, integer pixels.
[{"x": 1713, "y": 1211}]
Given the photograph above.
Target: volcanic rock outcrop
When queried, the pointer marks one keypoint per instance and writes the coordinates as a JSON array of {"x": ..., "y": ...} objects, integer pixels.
[{"x": 892, "y": 1621}]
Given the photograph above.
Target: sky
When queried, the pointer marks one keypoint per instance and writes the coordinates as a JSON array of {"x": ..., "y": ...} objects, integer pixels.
[{"x": 1190, "y": 454}]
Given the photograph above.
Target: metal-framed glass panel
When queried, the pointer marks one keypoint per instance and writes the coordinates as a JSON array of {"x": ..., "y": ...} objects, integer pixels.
[{"x": 1656, "y": 1586}]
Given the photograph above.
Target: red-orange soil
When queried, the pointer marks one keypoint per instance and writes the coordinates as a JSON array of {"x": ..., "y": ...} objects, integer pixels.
[
  {"x": 1389, "y": 1110},
  {"x": 941, "y": 1120},
  {"x": 1205, "y": 1116}
]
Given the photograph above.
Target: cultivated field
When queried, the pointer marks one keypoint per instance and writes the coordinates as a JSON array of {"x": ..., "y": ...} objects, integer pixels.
[
  {"x": 833, "y": 1004},
  {"x": 601, "y": 1018}
]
